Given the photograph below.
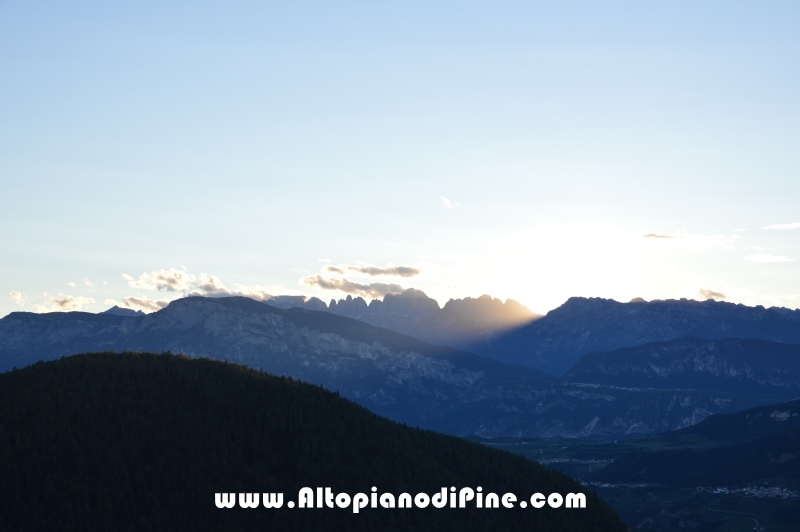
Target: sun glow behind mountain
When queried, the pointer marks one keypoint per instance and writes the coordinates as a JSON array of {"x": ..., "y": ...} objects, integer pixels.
[{"x": 522, "y": 150}]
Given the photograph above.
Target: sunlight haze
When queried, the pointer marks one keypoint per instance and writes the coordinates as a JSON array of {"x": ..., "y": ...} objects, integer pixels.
[{"x": 526, "y": 150}]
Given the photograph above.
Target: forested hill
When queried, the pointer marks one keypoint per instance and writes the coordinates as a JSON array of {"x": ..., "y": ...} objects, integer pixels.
[{"x": 142, "y": 442}]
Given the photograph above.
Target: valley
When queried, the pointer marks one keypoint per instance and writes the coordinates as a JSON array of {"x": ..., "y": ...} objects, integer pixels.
[{"x": 724, "y": 473}]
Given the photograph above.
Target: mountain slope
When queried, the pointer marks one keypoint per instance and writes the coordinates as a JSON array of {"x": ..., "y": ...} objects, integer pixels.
[
  {"x": 580, "y": 326},
  {"x": 752, "y": 445},
  {"x": 747, "y": 425},
  {"x": 731, "y": 364},
  {"x": 137, "y": 441}
]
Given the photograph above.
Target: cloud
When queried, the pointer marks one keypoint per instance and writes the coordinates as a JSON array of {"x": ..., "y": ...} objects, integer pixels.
[
  {"x": 171, "y": 280},
  {"x": 449, "y": 203},
  {"x": 767, "y": 257},
  {"x": 142, "y": 303},
  {"x": 258, "y": 293},
  {"x": 374, "y": 290},
  {"x": 398, "y": 271},
  {"x": 695, "y": 241},
  {"x": 661, "y": 235},
  {"x": 174, "y": 280},
  {"x": 710, "y": 294},
  {"x": 64, "y": 303},
  {"x": 210, "y": 285},
  {"x": 795, "y": 225},
  {"x": 71, "y": 284},
  {"x": 18, "y": 298},
  {"x": 87, "y": 282}
]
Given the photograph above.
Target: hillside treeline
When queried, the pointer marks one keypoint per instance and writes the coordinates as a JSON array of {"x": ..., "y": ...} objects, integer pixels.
[{"x": 143, "y": 442}]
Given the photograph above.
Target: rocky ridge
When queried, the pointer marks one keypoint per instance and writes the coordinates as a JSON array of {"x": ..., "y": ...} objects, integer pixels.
[{"x": 580, "y": 326}]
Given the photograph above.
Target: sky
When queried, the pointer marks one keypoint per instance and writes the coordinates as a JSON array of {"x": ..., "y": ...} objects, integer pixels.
[{"x": 526, "y": 150}]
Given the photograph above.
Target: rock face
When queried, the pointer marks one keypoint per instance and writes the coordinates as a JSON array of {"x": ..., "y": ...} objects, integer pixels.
[
  {"x": 395, "y": 375},
  {"x": 581, "y": 326}
]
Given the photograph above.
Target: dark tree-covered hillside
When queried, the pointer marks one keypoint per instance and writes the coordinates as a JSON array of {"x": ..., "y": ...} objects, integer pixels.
[{"x": 143, "y": 442}]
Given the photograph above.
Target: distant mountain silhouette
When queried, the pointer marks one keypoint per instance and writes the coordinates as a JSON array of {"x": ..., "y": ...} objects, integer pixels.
[
  {"x": 392, "y": 374},
  {"x": 580, "y": 326},
  {"x": 461, "y": 322},
  {"x": 143, "y": 442}
]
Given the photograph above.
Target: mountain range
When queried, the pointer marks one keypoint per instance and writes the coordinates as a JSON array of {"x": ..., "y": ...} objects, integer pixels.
[
  {"x": 402, "y": 377},
  {"x": 510, "y": 333},
  {"x": 581, "y": 326}
]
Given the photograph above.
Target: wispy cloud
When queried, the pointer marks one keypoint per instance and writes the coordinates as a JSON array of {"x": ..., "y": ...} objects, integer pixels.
[
  {"x": 661, "y": 235},
  {"x": 172, "y": 280},
  {"x": 64, "y": 303},
  {"x": 767, "y": 257},
  {"x": 710, "y": 294},
  {"x": 696, "y": 241},
  {"x": 795, "y": 225},
  {"x": 374, "y": 290},
  {"x": 140, "y": 303},
  {"x": 18, "y": 298},
  {"x": 210, "y": 285},
  {"x": 396, "y": 271},
  {"x": 71, "y": 284},
  {"x": 449, "y": 203}
]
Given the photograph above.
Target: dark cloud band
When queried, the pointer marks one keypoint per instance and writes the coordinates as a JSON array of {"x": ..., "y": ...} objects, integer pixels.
[
  {"x": 397, "y": 271},
  {"x": 349, "y": 287}
]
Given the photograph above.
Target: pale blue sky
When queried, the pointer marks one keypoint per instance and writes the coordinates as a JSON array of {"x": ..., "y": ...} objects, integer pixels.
[{"x": 249, "y": 140}]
